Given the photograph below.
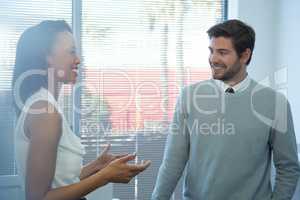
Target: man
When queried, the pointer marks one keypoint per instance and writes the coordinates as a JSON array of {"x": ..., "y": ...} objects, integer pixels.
[{"x": 226, "y": 130}]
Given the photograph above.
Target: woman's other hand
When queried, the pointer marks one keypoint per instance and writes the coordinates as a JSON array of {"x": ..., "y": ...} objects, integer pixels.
[
  {"x": 105, "y": 158},
  {"x": 120, "y": 171}
]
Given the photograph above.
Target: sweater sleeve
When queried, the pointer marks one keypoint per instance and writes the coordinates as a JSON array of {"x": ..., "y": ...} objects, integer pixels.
[
  {"x": 284, "y": 147},
  {"x": 175, "y": 155}
]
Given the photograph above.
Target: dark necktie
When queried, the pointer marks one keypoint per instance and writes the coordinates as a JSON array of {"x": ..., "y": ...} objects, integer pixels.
[{"x": 229, "y": 90}]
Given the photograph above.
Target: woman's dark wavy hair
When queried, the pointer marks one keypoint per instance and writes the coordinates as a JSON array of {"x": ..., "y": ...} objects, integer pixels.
[{"x": 32, "y": 49}]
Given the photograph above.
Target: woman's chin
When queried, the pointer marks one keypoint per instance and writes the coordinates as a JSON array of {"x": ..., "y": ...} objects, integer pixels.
[{"x": 73, "y": 82}]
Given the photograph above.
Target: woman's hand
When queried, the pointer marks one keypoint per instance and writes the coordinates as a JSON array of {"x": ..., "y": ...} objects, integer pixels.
[
  {"x": 105, "y": 158},
  {"x": 119, "y": 171},
  {"x": 101, "y": 162}
]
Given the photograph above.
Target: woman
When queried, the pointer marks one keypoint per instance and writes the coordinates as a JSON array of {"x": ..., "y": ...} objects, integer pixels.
[{"x": 48, "y": 153}]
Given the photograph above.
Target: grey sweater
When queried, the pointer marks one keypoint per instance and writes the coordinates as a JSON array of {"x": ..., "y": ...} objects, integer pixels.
[{"x": 226, "y": 143}]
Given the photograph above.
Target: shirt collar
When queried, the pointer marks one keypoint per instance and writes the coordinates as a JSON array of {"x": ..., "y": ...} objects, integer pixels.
[{"x": 241, "y": 86}]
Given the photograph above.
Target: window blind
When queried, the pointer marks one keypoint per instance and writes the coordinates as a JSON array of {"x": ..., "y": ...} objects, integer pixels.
[{"x": 137, "y": 55}]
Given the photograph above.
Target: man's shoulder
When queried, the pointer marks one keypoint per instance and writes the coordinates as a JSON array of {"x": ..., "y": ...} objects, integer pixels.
[
  {"x": 267, "y": 97},
  {"x": 265, "y": 91}
]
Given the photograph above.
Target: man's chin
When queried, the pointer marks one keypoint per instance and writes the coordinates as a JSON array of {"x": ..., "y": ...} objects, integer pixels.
[{"x": 218, "y": 77}]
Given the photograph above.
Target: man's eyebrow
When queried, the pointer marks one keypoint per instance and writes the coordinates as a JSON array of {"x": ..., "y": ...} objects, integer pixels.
[{"x": 222, "y": 49}]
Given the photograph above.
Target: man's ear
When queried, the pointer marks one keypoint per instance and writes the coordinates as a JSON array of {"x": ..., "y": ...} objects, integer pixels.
[{"x": 245, "y": 56}]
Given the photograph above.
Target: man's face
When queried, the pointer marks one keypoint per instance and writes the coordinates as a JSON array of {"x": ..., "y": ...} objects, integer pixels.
[{"x": 224, "y": 61}]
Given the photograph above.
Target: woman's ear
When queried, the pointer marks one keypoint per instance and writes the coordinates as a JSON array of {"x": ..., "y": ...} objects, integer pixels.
[
  {"x": 245, "y": 56},
  {"x": 49, "y": 60}
]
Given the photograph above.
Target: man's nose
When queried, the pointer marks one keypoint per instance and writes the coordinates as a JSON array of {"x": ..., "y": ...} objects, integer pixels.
[{"x": 213, "y": 58}]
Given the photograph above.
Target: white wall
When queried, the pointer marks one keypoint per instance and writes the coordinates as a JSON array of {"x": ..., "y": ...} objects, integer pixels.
[
  {"x": 275, "y": 23},
  {"x": 260, "y": 14},
  {"x": 277, "y": 27},
  {"x": 288, "y": 52}
]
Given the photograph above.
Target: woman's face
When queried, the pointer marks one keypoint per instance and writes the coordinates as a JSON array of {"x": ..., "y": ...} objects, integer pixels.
[{"x": 63, "y": 59}]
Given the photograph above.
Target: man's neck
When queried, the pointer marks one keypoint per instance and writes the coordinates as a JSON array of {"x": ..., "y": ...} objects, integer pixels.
[{"x": 237, "y": 79}]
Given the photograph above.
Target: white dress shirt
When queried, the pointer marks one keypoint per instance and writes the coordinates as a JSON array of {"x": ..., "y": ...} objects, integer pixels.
[{"x": 241, "y": 86}]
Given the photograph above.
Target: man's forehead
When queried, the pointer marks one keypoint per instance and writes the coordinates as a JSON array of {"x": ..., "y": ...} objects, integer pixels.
[{"x": 220, "y": 43}]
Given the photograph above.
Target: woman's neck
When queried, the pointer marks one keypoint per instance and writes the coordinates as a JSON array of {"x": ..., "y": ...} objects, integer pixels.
[{"x": 54, "y": 89}]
